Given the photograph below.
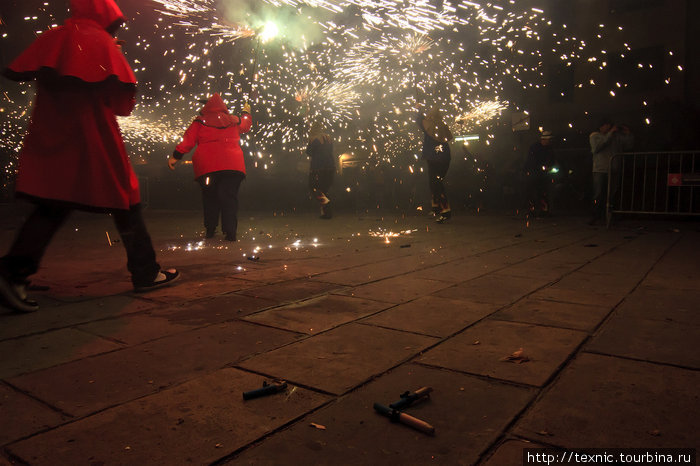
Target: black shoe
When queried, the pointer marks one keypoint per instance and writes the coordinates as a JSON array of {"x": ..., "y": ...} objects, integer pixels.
[
  {"x": 169, "y": 277},
  {"x": 210, "y": 233},
  {"x": 14, "y": 296},
  {"x": 230, "y": 237}
]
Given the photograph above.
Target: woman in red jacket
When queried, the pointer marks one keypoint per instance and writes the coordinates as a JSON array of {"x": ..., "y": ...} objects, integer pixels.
[
  {"x": 73, "y": 156},
  {"x": 218, "y": 162}
]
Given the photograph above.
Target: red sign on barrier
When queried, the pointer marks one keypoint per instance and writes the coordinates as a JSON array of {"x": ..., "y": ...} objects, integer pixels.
[{"x": 675, "y": 179}]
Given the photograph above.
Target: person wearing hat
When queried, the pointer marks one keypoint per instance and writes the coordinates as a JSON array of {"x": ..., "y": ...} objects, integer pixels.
[
  {"x": 219, "y": 166},
  {"x": 609, "y": 140},
  {"x": 73, "y": 156},
  {"x": 540, "y": 158},
  {"x": 436, "y": 153},
  {"x": 322, "y": 167}
]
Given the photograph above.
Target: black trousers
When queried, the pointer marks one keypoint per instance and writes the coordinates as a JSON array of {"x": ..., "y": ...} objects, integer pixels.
[
  {"x": 29, "y": 247},
  {"x": 220, "y": 198},
  {"x": 537, "y": 191},
  {"x": 320, "y": 182},
  {"x": 436, "y": 175}
]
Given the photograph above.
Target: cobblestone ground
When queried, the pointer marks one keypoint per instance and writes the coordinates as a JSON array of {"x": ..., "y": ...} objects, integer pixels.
[{"x": 543, "y": 334}]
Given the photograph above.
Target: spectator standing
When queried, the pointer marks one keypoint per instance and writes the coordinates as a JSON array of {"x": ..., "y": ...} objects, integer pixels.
[
  {"x": 540, "y": 159},
  {"x": 436, "y": 153},
  {"x": 321, "y": 167},
  {"x": 605, "y": 143}
]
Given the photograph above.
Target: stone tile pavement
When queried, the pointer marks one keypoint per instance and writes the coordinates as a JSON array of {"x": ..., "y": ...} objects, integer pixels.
[{"x": 552, "y": 333}]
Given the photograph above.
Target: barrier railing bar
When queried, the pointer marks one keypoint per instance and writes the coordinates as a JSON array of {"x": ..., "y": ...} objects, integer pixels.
[
  {"x": 668, "y": 170},
  {"x": 644, "y": 184},
  {"x": 692, "y": 187},
  {"x": 656, "y": 182}
]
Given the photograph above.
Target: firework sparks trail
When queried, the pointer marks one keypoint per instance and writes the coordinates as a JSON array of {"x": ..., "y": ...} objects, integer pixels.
[
  {"x": 355, "y": 64},
  {"x": 480, "y": 113}
]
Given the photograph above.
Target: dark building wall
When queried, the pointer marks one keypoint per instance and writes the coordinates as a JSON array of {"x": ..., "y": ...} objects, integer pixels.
[{"x": 638, "y": 47}]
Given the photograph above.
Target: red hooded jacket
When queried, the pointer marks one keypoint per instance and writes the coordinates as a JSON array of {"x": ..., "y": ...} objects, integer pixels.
[
  {"x": 217, "y": 135},
  {"x": 73, "y": 151}
]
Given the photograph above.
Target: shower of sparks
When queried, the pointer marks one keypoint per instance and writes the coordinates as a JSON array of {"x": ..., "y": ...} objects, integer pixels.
[
  {"x": 386, "y": 234},
  {"x": 482, "y": 112},
  {"x": 360, "y": 66}
]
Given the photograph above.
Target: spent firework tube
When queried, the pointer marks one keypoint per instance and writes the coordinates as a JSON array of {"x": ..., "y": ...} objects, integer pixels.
[
  {"x": 403, "y": 418},
  {"x": 266, "y": 389},
  {"x": 408, "y": 398}
]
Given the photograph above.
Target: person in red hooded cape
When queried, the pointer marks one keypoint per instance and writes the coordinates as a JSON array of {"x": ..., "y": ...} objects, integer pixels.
[
  {"x": 218, "y": 162},
  {"x": 73, "y": 155}
]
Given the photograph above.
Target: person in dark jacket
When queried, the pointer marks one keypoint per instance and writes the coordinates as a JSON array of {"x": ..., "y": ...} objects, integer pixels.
[
  {"x": 73, "y": 156},
  {"x": 219, "y": 166},
  {"x": 322, "y": 167},
  {"x": 436, "y": 153},
  {"x": 540, "y": 159}
]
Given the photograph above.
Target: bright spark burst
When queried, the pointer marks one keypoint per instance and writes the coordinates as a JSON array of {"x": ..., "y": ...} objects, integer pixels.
[{"x": 360, "y": 66}]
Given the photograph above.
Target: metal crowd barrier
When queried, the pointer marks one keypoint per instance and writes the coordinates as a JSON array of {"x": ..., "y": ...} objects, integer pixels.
[{"x": 654, "y": 183}]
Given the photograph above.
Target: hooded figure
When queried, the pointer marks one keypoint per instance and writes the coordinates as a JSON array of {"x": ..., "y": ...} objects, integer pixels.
[
  {"x": 436, "y": 153},
  {"x": 218, "y": 162},
  {"x": 73, "y": 151},
  {"x": 73, "y": 155},
  {"x": 322, "y": 166}
]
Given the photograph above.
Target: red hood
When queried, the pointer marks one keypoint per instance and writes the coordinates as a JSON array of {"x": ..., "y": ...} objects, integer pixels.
[
  {"x": 103, "y": 12},
  {"x": 215, "y": 104},
  {"x": 215, "y": 113}
]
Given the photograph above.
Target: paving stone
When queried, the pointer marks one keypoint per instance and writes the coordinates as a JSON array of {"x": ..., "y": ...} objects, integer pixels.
[
  {"x": 605, "y": 283},
  {"x": 213, "y": 310},
  {"x": 66, "y": 315},
  {"x": 675, "y": 277},
  {"x": 432, "y": 315},
  {"x": 607, "y": 402},
  {"x": 633, "y": 259},
  {"x": 510, "y": 453},
  {"x": 355, "y": 434},
  {"x": 91, "y": 384},
  {"x": 577, "y": 295},
  {"x": 649, "y": 340},
  {"x": 317, "y": 314},
  {"x": 483, "y": 348},
  {"x": 679, "y": 269},
  {"x": 340, "y": 359},
  {"x": 49, "y": 349},
  {"x": 554, "y": 314},
  {"x": 495, "y": 288},
  {"x": 397, "y": 289},
  {"x": 89, "y": 281},
  {"x": 188, "y": 289},
  {"x": 23, "y": 416},
  {"x": 198, "y": 422},
  {"x": 134, "y": 329},
  {"x": 662, "y": 305},
  {"x": 290, "y": 291},
  {"x": 455, "y": 272},
  {"x": 372, "y": 271},
  {"x": 538, "y": 267}
]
